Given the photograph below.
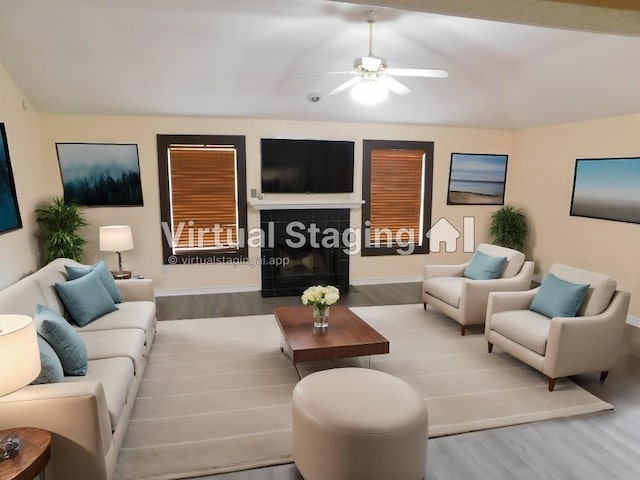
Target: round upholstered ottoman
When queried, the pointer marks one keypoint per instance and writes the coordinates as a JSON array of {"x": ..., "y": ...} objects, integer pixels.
[{"x": 358, "y": 424}]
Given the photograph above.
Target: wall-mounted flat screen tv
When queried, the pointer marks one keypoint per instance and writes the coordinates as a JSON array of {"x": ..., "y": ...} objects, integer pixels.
[{"x": 306, "y": 166}]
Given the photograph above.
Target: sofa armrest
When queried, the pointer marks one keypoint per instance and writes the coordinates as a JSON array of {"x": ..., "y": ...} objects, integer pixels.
[
  {"x": 432, "y": 271},
  {"x": 76, "y": 414},
  {"x": 586, "y": 344},
  {"x": 136, "y": 289}
]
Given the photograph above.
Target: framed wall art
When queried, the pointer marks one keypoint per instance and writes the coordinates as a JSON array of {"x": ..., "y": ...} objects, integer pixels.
[
  {"x": 477, "y": 179},
  {"x": 9, "y": 211},
  {"x": 607, "y": 188},
  {"x": 100, "y": 174}
]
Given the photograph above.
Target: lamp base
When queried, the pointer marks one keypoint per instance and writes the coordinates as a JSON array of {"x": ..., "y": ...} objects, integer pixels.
[
  {"x": 121, "y": 275},
  {"x": 9, "y": 447}
]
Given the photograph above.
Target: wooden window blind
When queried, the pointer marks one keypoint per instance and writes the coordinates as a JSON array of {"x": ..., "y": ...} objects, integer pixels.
[
  {"x": 203, "y": 195},
  {"x": 397, "y": 197}
]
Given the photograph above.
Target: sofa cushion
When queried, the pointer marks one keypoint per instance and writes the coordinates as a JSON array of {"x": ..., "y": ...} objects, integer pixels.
[
  {"x": 484, "y": 267},
  {"x": 64, "y": 339},
  {"x": 50, "y": 366},
  {"x": 21, "y": 298},
  {"x": 116, "y": 376},
  {"x": 447, "y": 289},
  {"x": 515, "y": 259},
  {"x": 529, "y": 329},
  {"x": 125, "y": 342},
  {"x": 140, "y": 315},
  {"x": 86, "y": 298},
  {"x": 558, "y": 298},
  {"x": 103, "y": 274},
  {"x": 599, "y": 294}
]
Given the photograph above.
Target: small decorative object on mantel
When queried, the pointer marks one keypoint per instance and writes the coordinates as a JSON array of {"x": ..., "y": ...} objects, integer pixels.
[{"x": 320, "y": 297}]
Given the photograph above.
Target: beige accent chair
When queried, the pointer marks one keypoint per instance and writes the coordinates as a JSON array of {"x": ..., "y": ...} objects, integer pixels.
[
  {"x": 465, "y": 300},
  {"x": 561, "y": 346}
]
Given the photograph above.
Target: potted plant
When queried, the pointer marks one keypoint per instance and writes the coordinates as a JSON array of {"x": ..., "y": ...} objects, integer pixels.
[
  {"x": 509, "y": 227},
  {"x": 60, "y": 224}
]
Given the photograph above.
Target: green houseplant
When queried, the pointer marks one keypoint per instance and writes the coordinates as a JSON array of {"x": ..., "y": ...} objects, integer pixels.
[
  {"x": 60, "y": 224},
  {"x": 509, "y": 227}
]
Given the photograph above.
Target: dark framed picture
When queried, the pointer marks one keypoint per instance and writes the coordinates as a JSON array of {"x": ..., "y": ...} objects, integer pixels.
[
  {"x": 100, "y": 174},
  {"x": 9, "y": 211},
  {"x": 477, "y": 179},
  {"x": 607, "y": 188}
]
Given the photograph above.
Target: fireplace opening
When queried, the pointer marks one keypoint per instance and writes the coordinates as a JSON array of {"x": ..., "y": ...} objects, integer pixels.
[{"x": 305, "y": 261}]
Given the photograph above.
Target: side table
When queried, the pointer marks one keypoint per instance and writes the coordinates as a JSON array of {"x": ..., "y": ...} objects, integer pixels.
[{"x": 32, "y": 458}]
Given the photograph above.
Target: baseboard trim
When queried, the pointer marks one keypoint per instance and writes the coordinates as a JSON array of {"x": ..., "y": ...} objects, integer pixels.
[
  {"x": 380, "y": 281},
  {"x": 635, "y": 321},
  {"x": 172, "y": 292}
]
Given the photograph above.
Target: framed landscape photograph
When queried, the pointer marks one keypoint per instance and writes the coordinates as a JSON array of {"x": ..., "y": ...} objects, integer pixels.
[
  {"x": 9, "y": 211},
  {"x": 100, "y": 174},
  {"x": 607, "y": 188},
  {"x": 477, "y": 179}
]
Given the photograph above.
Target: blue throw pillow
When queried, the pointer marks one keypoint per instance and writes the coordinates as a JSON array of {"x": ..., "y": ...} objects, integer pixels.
[
  {"x": 103, "y": 273},
  {"x": 86, "y": 298},
  {"x": 484, "y": 267},
  {"x": 50, "y": 366},
  {"x": 64, "y": 340},
  {"x": 558, "y": 298}
]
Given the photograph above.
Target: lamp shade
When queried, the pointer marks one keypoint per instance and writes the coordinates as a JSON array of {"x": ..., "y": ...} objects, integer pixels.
[
  {"x": 19, "y": 353},
  {"x": 116, "y": 238}
]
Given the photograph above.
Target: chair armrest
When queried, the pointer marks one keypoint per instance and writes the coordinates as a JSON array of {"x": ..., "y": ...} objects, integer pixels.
[
  {"x": 76, "y": 414},
  {"x": 432, "y": 271},
  {"x": 136, "y": 289},
  {"x": 586, "y": 344}
]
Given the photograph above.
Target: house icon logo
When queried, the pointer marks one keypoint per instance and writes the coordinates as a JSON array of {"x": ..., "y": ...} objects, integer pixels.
[{"x": 444, "y": 232}]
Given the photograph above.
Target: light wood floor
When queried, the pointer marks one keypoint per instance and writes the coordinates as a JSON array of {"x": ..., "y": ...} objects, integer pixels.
[{"x": 597, "y": 446}]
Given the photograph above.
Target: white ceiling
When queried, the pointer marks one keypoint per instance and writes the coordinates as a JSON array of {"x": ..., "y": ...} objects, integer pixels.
[{"x": 240, "y": 59}]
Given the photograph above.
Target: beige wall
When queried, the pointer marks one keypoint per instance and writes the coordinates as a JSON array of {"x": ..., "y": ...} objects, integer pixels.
[
  {"x": 146, "y": 258},
  {"x": 18, "y": 248},
  {"x": 541, "y": 180}
]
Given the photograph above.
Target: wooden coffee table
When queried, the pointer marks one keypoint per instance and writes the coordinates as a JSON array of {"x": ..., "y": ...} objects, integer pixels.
[{"x": 346, "y": 336}]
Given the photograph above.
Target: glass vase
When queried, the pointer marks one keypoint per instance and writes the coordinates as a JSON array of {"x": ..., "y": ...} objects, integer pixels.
[{"x": 320, "y": 316}]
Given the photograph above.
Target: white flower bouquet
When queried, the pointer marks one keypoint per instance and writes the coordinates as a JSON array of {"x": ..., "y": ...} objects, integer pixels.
[{"x": 320, "y": 297}]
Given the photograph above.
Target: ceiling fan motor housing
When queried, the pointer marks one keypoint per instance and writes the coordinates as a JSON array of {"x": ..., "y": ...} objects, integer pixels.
[{"x": 370, "y": 64}]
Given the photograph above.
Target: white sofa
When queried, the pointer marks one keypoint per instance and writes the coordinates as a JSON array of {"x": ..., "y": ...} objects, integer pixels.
[{"x": 87, "y": 415}]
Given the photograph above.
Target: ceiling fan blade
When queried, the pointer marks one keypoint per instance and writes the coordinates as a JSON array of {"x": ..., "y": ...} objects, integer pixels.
[
  {"x": 394, "y": 85},
  {"x": 341, "y": 88},
  {"x": 418, "y": 72},
  {"x": 328, "y": 73}
]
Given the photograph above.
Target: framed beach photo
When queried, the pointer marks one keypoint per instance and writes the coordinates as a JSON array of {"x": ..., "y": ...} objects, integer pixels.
[
  {"x": 477, "y": 179},
  {"x": 9, "y": 211},
  {"x": 607, "y": 188},
  {"x": 100, "y": 174}
]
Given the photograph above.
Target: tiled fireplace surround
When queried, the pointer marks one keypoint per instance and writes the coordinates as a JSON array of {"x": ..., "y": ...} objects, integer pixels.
[{"x": 306, "y": 265}]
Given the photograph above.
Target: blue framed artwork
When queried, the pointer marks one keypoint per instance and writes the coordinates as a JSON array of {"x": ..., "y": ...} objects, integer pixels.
[
  {"x": 9, "y": 211},
  {"x": 100, "y": 174},
  {"x": 607, "y": 188},
  {"x": 477, "y": 179}
]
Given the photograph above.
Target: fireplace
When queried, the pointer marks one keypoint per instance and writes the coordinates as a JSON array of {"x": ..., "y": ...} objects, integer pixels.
[{"x": 295, "y": 258}]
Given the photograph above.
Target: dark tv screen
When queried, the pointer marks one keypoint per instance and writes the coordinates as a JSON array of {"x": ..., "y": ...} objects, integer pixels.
[{"x": 306, "y": 166}]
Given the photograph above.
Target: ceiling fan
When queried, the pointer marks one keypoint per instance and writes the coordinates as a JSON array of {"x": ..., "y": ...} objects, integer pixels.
[{"x": 373, "y": 79}]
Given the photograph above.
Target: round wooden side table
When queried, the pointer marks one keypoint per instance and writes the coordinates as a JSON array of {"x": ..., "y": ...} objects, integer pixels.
[{"x": 33, "y": 456}]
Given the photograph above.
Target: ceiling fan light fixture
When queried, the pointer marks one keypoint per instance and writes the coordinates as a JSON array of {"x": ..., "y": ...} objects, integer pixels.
[{"x": 369, "y": 91}]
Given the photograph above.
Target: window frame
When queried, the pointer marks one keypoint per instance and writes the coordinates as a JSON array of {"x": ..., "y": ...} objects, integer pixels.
[
  {"x": 367, "y": 147},
  {"x": 204, "y": 256}
]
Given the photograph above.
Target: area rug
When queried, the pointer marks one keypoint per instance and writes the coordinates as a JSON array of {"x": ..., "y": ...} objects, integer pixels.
[{"x": 216, "y": 394}]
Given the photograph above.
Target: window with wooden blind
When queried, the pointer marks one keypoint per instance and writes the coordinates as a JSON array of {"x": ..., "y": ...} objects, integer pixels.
[
  {"x": 397, "y": 183},
  {"x": 203, "y": 196}
]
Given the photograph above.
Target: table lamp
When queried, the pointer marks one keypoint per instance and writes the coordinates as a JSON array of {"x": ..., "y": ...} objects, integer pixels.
[
  {"x": 117, "y": 238},
  {"x": 19, "y": 364}
]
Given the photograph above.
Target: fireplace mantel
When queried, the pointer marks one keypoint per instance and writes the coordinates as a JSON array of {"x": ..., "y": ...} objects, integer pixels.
[{"x": 297, "y": 204}]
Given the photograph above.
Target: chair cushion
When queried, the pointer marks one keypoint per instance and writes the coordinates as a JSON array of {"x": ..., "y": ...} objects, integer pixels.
[
  {"x": 484, "y": 267},
  {"x": 558, "y": 298},
  {"x": 63, "y": 339},
  {"x": 529, "y": 329},
  {"x": 103, "y": 274},
  {"x": 86, "y": 298},
  {"x": 599, "y": 294},
  {"x": 515, "y": 259},
  {"x": 447, "y": 289},
  {"x": 50, "y": 366}
]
